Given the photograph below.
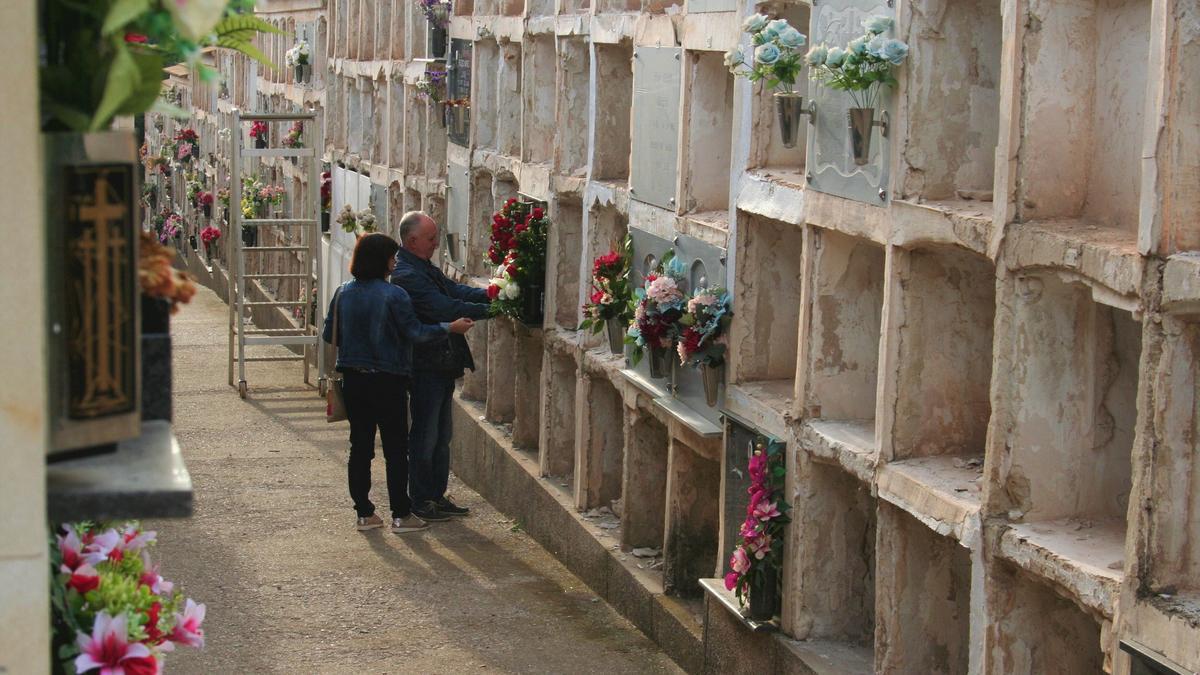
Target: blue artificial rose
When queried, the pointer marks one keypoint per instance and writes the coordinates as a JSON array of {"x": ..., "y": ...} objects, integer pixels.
[
  {"x": 734, "y": 58},
  {"x": 817, "y": 55},
  {"x": 877, "y": 24},
  {"x": 884, "y": 49},
  {"x": 755, "y": 23},
  {"x": 858, "y": 46},
  {"x": 791, "y": 38},
  {"x": 775, "y": 28},
  {"x": 836, "y": 57},
  {"x": 767, "y": 54}
]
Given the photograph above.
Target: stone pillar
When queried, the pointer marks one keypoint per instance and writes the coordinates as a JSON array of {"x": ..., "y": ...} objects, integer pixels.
[{"x": 502, "y": 343}]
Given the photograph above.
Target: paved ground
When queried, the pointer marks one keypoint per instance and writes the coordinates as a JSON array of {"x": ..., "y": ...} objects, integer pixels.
[{"x": 291, "y": 587}]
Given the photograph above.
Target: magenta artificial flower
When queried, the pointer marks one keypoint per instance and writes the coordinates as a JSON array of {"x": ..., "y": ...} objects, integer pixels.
[
  {"x": 71, "y": 549},
  {"x": 187, "y": 629},
  {"x": 766, "y": 511},
  {"x": 760, "y": 546},
  {"x": 731, "y": 580},
  {"x": 749, "y": 528},
  {"x": 151, "y": 578},
  {"x": 740, "y": 562},
  {"x": 136, "y": 540},
  {"x": 108, "y": 649},
  {"x": 758, "y": 468},
  {"x": 85, "y": 578},
  {"x": 108, "y": 545}
]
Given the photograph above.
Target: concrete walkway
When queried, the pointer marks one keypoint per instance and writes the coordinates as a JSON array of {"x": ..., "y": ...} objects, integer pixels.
[{"x": 291, "y": 587}]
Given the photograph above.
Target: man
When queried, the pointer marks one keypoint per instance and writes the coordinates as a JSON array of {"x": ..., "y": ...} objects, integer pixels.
[{"x": 436, "y": 366}]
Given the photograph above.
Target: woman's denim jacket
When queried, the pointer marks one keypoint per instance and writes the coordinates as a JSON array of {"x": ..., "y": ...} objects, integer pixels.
[{"x": 377, "y": 327}]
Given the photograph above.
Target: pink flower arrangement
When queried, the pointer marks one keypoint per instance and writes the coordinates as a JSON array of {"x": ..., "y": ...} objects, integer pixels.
[
  {"x": 701, "y": 340},
  {"x": 658, "y": 308},
  {"x": 210, "y": 235},
  {"x": 259, "y": 129},
  {"x": 760, "y": 551},
  {"x": 113, "y": 611}
]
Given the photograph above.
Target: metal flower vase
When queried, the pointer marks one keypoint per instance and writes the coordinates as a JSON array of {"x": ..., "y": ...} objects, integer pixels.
[
  {"x": 861, "y": 122},
  {"x": 660, "y": 362},
  {"x": 303, "y": 73},
  {"x": 764, "y": 595},
  {"x": 711, "y": 377},
  {"x": 615, "y": 329},
  {"x": 789, "y": 105}
]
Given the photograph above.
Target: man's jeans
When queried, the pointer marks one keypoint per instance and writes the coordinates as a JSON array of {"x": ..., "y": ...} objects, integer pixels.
[{"x": 429, "y": 436}]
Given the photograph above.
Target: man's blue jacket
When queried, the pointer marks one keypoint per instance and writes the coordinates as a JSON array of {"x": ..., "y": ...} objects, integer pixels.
[{"x": 437, "y": 299}]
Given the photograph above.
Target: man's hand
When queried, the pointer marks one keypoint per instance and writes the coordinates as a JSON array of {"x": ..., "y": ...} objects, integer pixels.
[{"x": 461, "y": 326}]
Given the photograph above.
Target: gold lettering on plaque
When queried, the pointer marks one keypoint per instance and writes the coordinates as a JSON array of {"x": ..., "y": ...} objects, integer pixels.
[{"x": 100, "y": 344}]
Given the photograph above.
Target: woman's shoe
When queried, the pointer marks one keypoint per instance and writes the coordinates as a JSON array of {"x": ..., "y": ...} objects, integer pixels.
[{"x": 409, "y": 523}]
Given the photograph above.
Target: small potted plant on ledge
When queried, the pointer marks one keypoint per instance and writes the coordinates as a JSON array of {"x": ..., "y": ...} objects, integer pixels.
[
  {"x": 432, "y": 88},
  {"x": 610, "y": 302},
  {"x": 112, "y": 612},
  {"x": 658, "y": 307},
  {"x": 756, "y": 561},
  {"x": 294, "y": 138},
  {"x": 702, "y": 339},
  {"x": 297, "y": 57},
  {"x": 776, "y": 61},
  {"x": 260, "y": 131},
  {"x": 860, "y": 69},
  {"x": 205, "y": 200}
]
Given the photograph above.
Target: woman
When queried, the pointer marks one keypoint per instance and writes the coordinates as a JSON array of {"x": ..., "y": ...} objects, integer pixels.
[{"x": 376, "y": 327}]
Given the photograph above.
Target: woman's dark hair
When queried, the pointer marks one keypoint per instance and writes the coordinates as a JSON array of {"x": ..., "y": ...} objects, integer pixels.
[{"x": 371, "y": 256}]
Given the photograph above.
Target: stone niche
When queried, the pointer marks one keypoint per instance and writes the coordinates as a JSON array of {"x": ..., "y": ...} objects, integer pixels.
[
  {"x": 923, "y": 598},
  {"x": 692, "y": 529},
  {"x": 563, "y": 269},
  {"x": 1084, "y": 70},
  {"x": 844, "y": 330},
  {"x": 479, "y": 224},
  {"x": 538, "y": 121},
  {"x": 1032, "y": 629},
  {"x": 766, "y": 320},
  {"x": 556, "y": 447},
  {"x": 708, "y": 137},
  {"x": 617, "y": 6},
  {"x": 767, "y": 151},
  {"x": 614, "y": 86},
  {"x": 644, "y": 481},
  {"x": 508, "y": 122},
  {"x": 946, "y": 299},
  {"x": 575, "y": 6},
  {"x": 571, "y": 116},
  {"x": 600, "y": 453},
  {"x": 396, "y": 126},
  {"x": 485, "y": 99},
  {"x": 953, "y": 100},
  {"x": 415, "y": 129},
  {"x": 539, "y": 7},
  {"x": 1074, "y": 379}
]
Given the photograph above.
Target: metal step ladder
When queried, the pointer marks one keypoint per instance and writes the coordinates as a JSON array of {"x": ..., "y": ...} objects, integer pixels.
[{"x": 306, "y": 335}]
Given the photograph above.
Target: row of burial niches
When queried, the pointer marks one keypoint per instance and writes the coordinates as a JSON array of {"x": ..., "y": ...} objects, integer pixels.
[{"x": 692, "y": 265}]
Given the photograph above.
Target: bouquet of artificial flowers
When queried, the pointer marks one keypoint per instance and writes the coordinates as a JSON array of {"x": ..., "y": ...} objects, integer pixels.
[
  {"x": 863, "y": 65},
  {"x": 775, "y": 59},
  {"x": 704, "y": 324},
  {"x": 659, "y": 305},
  {"x": 760, "y": 540}
]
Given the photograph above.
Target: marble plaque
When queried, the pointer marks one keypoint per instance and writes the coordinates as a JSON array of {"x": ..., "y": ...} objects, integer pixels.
[
  {"x": 656, "y": 89},
  {"x": 705, "y": 266},
  {"x": 458, "y": 202},
  {"x": 830, "y": 160}
]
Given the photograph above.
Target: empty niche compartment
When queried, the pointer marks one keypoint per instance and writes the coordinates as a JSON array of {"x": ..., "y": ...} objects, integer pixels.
[
  {"x": 412, "y": 201},
  {"x": 693, "y": 516},
  {"x": 571, "y": 125},
  {"x": 396, "y": 110},
  {"x": 1067, "y": 477},
  {"x": 575, "y": 6},
  {"x": 539, "y": 132},
  {"x": 383, "y": 30},
  {"x": 618, "y": 6},
  {"x": 766, "y": 320},
  {"x": 563, "y": 264},
  {"x": 614, "y": 87},
  {"x": 644, "y": 484},
  {"x": 946, "y": 302},
  {"x": 1084, "y": 84},
  {"x": 1032, "y": 629},
  {"x": 508, "y": 123},
  {"x": 556, "y": 448},
  {"x": 474, "y": 382},
  {"x": 1175, "y": 519},
  {"x": 463, "y": 7},
  {"x": 831, "y": 592},
  {"x": 479, "y": 224},
  {"x": 527, "y": 388},
  {"x": 843, "y": 340},
  {"x": 539, "y": 7},
  {"x": 923, "y": 598},
  {"x": 600, "y": 459},
  {"x": 512, "y": 7},
  {"x": 953, "y": 101},
  {"x": 500, "y": 406},
  {"x": 399, "y": 32},
  {"x": 767, "y": 150},
  {"x": 415, "y": 137},
  {"x": 484, "y": 102},
  {"x": 709, "y": 137}
]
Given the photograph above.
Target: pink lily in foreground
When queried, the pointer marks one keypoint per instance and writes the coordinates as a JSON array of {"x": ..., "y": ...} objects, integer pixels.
[
  {"x": 187, "y": 629},
  {"x": 108, "y": 650}
]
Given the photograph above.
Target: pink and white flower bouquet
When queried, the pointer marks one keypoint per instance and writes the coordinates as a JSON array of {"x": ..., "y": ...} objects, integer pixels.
[
  {"x": 112, "y": 610},
  {"x": 756, "y": 561},
  {"x": 610, "y": 296},
  {"x": 701, "y": 342},
  {"x": 659, "y": 304}
]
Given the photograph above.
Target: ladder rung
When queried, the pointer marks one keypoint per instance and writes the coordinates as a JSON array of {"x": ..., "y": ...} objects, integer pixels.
[
  {"x": 280, "y": 340},
  {"x": 248, "y": 359},
  {"x": 276, "y": 303},
  {"x": 271, "y": 331},
  {"x": 276, "y": 276},
  {"x": 299, "y": 248}
]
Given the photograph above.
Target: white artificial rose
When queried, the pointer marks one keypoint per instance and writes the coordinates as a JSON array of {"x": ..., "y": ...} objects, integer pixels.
[
  {"x": 510, "y": 291},
  {"x": 195, "y": 18}
]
